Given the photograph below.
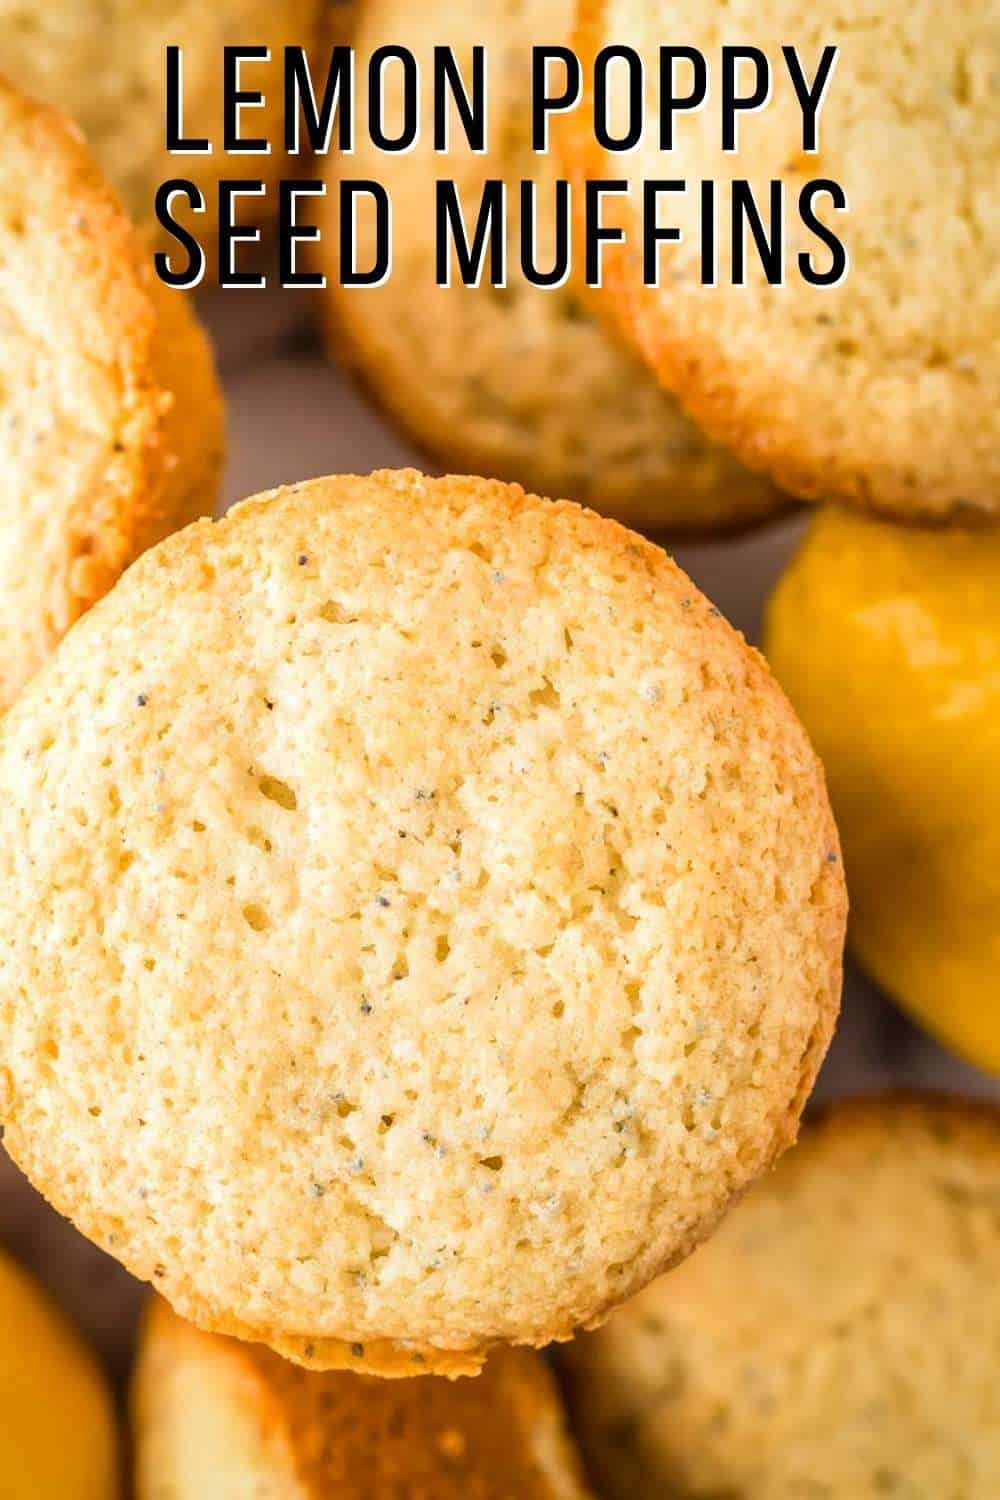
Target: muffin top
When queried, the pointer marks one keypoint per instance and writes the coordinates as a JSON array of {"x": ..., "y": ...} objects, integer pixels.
[
  {"x": 520, "y": 382},
  {"x": 880, "y": 390},
  {"x": 109, "y": 408},
  {"x": 839, "y": 1336},
  {"x": 887, "y": 640},
  {"x": 217, "y": 1416},
  {"x": 390, "y": 869},
  {"x": 105, "y": 66}
]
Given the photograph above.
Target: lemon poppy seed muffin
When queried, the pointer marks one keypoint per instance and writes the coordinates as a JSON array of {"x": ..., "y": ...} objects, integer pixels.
[
  {"x": 338, "y": 23},
  {"x": 110, "y": 414},
  {"x": 839, "y": 1336},
  {"x": 105, "y": 66},
  {"x": 215, "y": 1416},
  {"x": 57, "y": 1428},
  {"x": 517, "y": 381},
  {"x": 393, "y": 869},
  {"x": 879, "y": 391}
]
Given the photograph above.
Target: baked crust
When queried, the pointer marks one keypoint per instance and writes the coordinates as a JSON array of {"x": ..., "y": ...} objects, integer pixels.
[
  {"x": 879, "y": 392},
  {"x": 521, "y": 383},
  {"x": 107, "y": 71},
  {"x": 109, "y": 401},
  {"x": 207, "y": 1409}
]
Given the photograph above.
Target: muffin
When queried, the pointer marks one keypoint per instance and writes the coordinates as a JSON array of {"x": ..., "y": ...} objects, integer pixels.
[
  {"x": 887, "y": 640},
  {"x": 104, "y": 65},
  {"x": 840, "y": 1335},
  {"x": 879, "y": 390},
  {"x": 385, "y": 864},
  {"x": 518, "y": 382},
  {"x": 217, "y": 1417},
  {"x": 57, "y": 1433},
  {"x": 109, "y": 407}
]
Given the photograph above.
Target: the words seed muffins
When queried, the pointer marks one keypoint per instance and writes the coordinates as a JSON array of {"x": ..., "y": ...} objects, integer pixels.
[{"x": 423, "y": 916}]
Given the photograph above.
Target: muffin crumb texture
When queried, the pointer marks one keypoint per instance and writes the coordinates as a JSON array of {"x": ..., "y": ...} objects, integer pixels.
[
  {"x": 836, "y": 1339},
  {"x": 216, "y": 1416},
  {"x": 110, "y": 411},
  {"x": 424, "y": 918},
  {"x": 880, "y": 391}
]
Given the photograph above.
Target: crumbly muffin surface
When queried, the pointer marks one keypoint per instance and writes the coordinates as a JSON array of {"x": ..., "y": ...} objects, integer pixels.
[
  {"x": 837, "y": 1338},
  {"x": 395, "y": 870}
]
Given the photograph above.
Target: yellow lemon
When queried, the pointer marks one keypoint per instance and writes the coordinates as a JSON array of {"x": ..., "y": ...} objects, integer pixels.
[
  {"x": 887, "y": 641},
  {"x": 57, "y": 1434}
]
